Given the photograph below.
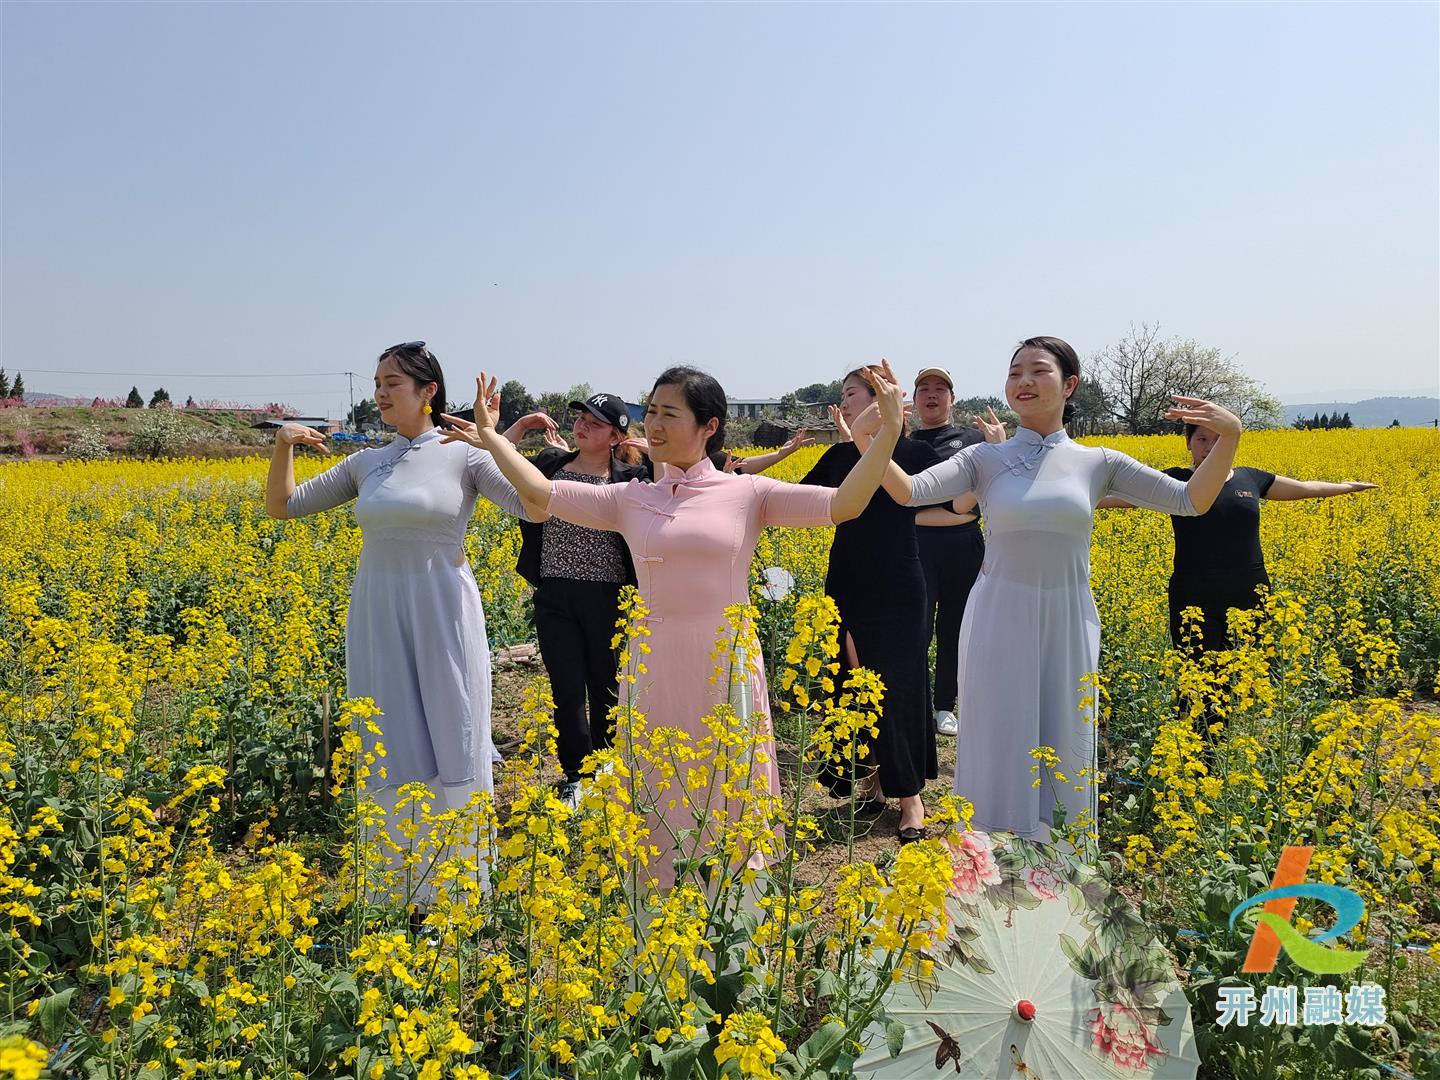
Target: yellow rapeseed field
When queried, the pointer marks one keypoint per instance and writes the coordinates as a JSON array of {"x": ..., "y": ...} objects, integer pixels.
[{"x": 185, "y": 887}]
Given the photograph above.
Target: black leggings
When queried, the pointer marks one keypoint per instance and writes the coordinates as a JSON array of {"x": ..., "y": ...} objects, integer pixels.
[{"x": 575, "y": 623}]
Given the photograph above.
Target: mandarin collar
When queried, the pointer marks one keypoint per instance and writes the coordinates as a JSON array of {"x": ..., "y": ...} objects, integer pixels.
[
  {"x": 674, "y": 476},
  {"x": 1034, "y": 438},
  {"x": 1028, "y": 447},
  {"x": 426, "y": 436}
]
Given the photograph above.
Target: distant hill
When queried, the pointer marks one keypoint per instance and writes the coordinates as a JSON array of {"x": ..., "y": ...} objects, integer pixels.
[
  {"x": 1374, "y": 412},
  {"x": 42, "y": 398}
]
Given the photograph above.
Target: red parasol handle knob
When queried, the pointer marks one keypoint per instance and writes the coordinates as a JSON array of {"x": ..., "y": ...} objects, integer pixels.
[{"x": 1025, "y": 1010}]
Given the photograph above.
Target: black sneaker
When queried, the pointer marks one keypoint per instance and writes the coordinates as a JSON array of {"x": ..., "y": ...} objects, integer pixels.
[{"x": 570, "y": 793}]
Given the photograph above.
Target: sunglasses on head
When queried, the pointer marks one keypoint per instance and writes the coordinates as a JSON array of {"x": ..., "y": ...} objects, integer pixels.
[{"x": 408, "y": 346}]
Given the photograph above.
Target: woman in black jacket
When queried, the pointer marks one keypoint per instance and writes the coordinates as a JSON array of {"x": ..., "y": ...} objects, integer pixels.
[{"x": 578, "y": 574}]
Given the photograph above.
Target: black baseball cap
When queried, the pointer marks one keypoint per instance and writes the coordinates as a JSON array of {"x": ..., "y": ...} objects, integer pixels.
[{"x": 606, "y": 407}]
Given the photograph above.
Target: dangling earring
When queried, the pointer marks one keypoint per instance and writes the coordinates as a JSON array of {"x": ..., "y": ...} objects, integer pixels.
[{"x": 427, "y": 409}]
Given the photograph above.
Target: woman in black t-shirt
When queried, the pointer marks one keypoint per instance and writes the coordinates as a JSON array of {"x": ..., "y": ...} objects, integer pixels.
[
  {"x": 877, "y": 582},
  {"x": 1219, "y": 564}
]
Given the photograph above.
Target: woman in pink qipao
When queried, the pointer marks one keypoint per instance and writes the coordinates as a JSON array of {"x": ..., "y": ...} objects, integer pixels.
[{"x": 692, "y": 534}]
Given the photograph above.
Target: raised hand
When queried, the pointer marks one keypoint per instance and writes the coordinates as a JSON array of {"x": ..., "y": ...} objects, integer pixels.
[
  {"x": 889, "y": 394},
  {"x": 536, "y": 421},
  {"x": 799, "y": 439},
  {"x": 838, "y": 419},
  {"x": 993, "y": 429},
  {"x": 552, "y": 438},
  {"x": 1205, "y": 414},
  {"x": 300, "y": 435},
  {"x": 487, "y": 410},
  {"x": 461, "y": 430}
]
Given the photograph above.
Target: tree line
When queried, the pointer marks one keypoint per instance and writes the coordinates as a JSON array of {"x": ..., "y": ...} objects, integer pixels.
[
  {"x": 1126, "y": 386},
  {"x": 1322, "y": 422},
  {"x": 12, "y": 390}
]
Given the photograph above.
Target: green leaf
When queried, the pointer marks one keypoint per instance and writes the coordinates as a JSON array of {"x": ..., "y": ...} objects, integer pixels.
[
  {"x": 825, "y": 1043},
  {"x": 895, "y": 1037},
  {"x": 679, "y": 1059},
  {"x": 53, "y": 1012},
  {"x": 827, "y": 984}
]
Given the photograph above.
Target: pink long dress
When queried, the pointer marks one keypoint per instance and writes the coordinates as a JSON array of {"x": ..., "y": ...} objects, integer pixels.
[{"x": 692, "y": 535}]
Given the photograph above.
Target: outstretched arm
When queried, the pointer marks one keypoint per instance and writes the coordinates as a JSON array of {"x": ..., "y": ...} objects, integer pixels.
[
  {"x": 532, "y": 485},
  {"x": 758, "y": 463},
  {"x": 1284, "y": 489}
]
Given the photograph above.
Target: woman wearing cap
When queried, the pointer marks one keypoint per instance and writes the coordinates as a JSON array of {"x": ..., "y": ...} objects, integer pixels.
[
  {"x": 415, "y": 632},
  {"x": 1031, "y": 633},
  {"x": 578, "y": 573},
  {"x": 692, "y": 534},
  {"x": 1218, "y": 560},
  {"x": 952, "y": 547}
]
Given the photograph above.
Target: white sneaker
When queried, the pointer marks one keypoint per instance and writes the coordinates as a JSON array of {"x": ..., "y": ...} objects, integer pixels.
[
  {"x": 946, "y": 723},
  {"x": 572, "y": 793}
]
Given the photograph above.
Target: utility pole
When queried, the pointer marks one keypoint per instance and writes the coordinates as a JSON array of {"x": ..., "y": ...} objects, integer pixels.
[{"x": 350, "y": 420}]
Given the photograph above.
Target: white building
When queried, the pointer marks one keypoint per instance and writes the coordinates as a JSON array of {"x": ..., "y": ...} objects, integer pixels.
[{"x": 751, "y": 408}]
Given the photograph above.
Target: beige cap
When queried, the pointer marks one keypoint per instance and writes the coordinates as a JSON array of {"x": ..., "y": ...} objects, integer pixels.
[{"x": 939, "y": 373}]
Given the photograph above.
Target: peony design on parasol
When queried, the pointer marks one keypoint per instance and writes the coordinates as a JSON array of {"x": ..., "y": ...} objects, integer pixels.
[{"x": 1046, "y": 973}]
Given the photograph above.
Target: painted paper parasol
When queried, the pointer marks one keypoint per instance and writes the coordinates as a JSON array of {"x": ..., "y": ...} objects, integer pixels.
[{"x": 1046, "y": 973}]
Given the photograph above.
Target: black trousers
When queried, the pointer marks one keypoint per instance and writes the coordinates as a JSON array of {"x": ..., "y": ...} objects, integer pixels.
[
  {"x": 1214, "y": 593},
  {"x": 951, "y": 557},
  {"x": 575, "y": 623}
]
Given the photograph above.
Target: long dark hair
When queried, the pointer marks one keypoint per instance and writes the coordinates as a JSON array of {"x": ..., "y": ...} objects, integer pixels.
[
  {"x": 704, "y": 396},
  {"x": 1064, "y": 354},
  {"x": 421, "y": 364}
]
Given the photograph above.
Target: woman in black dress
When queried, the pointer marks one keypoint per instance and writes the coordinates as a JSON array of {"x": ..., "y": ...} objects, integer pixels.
[
  {"x": 876, "y": 580},
  {"x": 1219, "y": 564}
]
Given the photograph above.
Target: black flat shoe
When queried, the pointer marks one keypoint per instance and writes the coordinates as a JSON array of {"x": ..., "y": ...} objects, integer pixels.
[{"x": 910, "y": 835}]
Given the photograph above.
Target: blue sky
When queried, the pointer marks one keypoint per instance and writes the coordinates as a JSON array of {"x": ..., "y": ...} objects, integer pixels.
[{"x": 774, "y": 193}]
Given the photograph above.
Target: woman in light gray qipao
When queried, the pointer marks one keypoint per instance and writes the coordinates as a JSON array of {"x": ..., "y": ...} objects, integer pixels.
[
  {"x": 1031, "y": 633},
  {"x": 415, "y": 635}
]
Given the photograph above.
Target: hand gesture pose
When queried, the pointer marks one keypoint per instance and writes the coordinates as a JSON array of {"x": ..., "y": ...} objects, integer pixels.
[
  {"x": 554, "y": 439},
  {"x": 1205, "y": 414},
  {"x": 872, "y": 417},
  {"x": 300, "y": 435},
  {"x": 535, "y": 421},
  {"x": 799, "y": 439},
  {"x": 889, "y": 396},
  {"x": 993, "y": 429},
  {"x": 487, "y": 411},
  {"x": 838, "y": 419}
]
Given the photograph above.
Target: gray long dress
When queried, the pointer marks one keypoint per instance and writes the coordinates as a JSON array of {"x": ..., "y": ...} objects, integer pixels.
[
  {"x": 1031, "y": 632},
  {"x": 415, "y": 635}
]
